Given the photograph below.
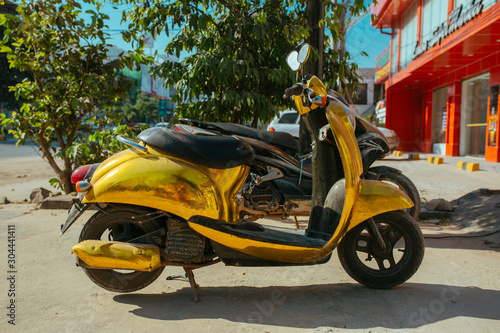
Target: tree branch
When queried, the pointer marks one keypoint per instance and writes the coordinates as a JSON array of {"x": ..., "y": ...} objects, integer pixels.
[{"x": 208, "y": 17}]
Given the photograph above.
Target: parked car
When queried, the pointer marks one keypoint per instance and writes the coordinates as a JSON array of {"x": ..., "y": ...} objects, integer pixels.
[
  {"x": 162, "y": 124},
  {"x": 288, "y": 121},
  {"x": 391, "y": 136}
]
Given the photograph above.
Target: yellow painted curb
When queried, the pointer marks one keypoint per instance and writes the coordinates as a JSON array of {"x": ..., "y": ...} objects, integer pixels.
[
  {"x": 435, "y": 160},
  {"x": 397, "y": 153},
  {"x": 468, "y": 166},
  {"x": 414, "y": 156}
]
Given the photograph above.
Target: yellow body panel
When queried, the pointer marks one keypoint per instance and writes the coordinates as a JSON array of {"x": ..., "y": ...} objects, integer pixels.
[
  {"x": 118, "y": 255},
  {"x": 155, "y": 179},
  {"x": 269, "y": 251}
]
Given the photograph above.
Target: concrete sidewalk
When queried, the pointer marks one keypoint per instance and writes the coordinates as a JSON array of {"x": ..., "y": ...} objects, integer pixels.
[{"x": 452, "y": 160}]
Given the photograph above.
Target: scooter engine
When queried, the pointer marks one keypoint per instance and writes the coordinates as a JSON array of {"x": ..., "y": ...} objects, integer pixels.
[{"x": 263, "y": 197}]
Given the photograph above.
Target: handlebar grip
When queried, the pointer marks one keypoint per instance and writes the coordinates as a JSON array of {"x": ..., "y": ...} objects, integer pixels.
[{"x": 294, "y": 90}]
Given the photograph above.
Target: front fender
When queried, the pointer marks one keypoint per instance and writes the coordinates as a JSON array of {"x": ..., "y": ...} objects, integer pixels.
[{"x": 375, "y": 198}]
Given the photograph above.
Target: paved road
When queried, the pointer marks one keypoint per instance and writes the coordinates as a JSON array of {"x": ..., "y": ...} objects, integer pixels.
[
  {"x": 9, "y": 150},
  {"x": 456, "y": 289}
]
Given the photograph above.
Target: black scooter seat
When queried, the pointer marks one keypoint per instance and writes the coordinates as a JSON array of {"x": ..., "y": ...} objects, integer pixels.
[
  {"x": 282, "y": 139},
  {"x": 216, "y": 152}
]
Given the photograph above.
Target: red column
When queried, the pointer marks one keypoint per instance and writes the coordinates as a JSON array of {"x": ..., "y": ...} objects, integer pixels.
[
  {"x": 492, "y": 152},
  {"x": 453, "y": 118}
]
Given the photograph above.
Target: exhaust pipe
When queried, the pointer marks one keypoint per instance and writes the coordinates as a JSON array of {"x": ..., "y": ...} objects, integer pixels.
[{"x": 118, "y": 255}]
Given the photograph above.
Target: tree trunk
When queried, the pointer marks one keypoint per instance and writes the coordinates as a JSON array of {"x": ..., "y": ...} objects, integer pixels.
[
  {"x": 316, "y": 13},
  {"x": 255, "y": 120},
  {"x": 65, "y": 178},
  {"x": 325, "y": 156}
]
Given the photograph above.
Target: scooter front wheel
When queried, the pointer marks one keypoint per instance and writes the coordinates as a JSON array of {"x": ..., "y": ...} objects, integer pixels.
[
  {"x": 109, "y": 226},
  {"x": 365, "y": 262}
]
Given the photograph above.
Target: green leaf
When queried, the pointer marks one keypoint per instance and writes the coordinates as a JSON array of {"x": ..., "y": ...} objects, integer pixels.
[{"x": 56, "y": 183}]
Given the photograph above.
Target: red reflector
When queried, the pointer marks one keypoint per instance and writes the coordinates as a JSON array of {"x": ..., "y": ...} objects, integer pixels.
[
  {"x": 80, "y": 173},
  {"x": 271, "y": 129},
  {"x": 82, "y": 186}
]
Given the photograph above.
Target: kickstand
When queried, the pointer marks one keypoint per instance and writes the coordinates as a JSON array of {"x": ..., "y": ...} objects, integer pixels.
[
  {"x": 189, "y": 277},
  {"x": 296, "y": 222},
  {"x": 192, "y": 283}
]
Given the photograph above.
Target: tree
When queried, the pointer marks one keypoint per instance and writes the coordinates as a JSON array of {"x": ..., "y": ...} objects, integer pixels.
[
  {"x": 10, "y": 76},
  {"x": 144, "y": 110},
  {"x": 237, "y": 69},
  {"x": 74, "y": 84}
]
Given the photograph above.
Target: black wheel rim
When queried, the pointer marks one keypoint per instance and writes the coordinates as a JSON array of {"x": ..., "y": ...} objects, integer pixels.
[{"x": 381, "y": 262}]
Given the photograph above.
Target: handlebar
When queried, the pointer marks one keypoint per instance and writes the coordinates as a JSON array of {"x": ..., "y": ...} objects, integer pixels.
[{"x": 294, "y": 90}]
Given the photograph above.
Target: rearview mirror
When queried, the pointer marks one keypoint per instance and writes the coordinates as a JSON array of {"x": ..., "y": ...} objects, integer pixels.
[
  {"x": 304, "y": 53},
  {"x": 295, "y": 59},
  {"x": 292, "y": 61}
]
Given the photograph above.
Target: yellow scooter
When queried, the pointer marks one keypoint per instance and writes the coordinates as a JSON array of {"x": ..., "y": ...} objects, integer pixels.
[{"x": 171, "y": 199}]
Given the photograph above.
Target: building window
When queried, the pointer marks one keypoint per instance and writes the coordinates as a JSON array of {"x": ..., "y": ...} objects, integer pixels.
[
  {"x": 378, "y": 92},
  {"x": 434, "y": 13},
  {"x": 408, "y": 35},
  {"x": 394, "y": 62},
  {"x": 360, "y": 94}
]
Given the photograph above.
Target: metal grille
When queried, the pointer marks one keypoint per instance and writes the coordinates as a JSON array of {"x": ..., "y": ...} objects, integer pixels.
[{"x": 182, "y": 242}]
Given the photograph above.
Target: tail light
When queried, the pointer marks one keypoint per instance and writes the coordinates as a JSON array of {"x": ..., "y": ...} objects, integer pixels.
[
  {"x": 79, "y": 173},
  {"x": 271, "y": 129}
]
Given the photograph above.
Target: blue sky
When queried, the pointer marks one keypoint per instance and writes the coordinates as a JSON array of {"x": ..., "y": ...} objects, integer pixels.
[
  {"x": 360, "y": 37},
  {"x": 364, "y": 37}
]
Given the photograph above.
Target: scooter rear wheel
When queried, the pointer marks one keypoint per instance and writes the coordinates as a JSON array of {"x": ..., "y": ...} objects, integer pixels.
[
  {"x": 107, "y": 226},
  {"x": 406, "y": 185},
  {"x": 366, "y": 263}
]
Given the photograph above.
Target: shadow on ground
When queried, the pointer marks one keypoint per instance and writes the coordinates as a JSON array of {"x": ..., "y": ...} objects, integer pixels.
[{"x": 330, "y": 305}]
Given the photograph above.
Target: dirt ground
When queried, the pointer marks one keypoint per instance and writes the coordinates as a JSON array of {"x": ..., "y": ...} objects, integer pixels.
[{"x": 456, "y": 288}]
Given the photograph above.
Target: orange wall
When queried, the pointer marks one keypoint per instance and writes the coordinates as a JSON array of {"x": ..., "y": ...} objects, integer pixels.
[{"x": 493, "y": 152}]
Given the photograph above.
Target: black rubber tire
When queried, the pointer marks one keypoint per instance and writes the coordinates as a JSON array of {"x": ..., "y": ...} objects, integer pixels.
[
  {"x": 398, "y": 271},
  {"x": 406, "y": 185},
  {"x": 98, "y": 224}
]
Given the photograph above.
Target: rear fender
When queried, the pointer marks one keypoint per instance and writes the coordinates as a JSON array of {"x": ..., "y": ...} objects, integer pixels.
[
  {"x": 375, "y": 172},
  {"x": 157, "y": 180}
]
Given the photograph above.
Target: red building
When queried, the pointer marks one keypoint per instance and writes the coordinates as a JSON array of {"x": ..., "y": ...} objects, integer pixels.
[{"x": 443, "y": 78}]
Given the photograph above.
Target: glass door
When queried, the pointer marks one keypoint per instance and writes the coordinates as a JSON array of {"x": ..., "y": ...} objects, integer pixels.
[{"x": 473, "y": 115}]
